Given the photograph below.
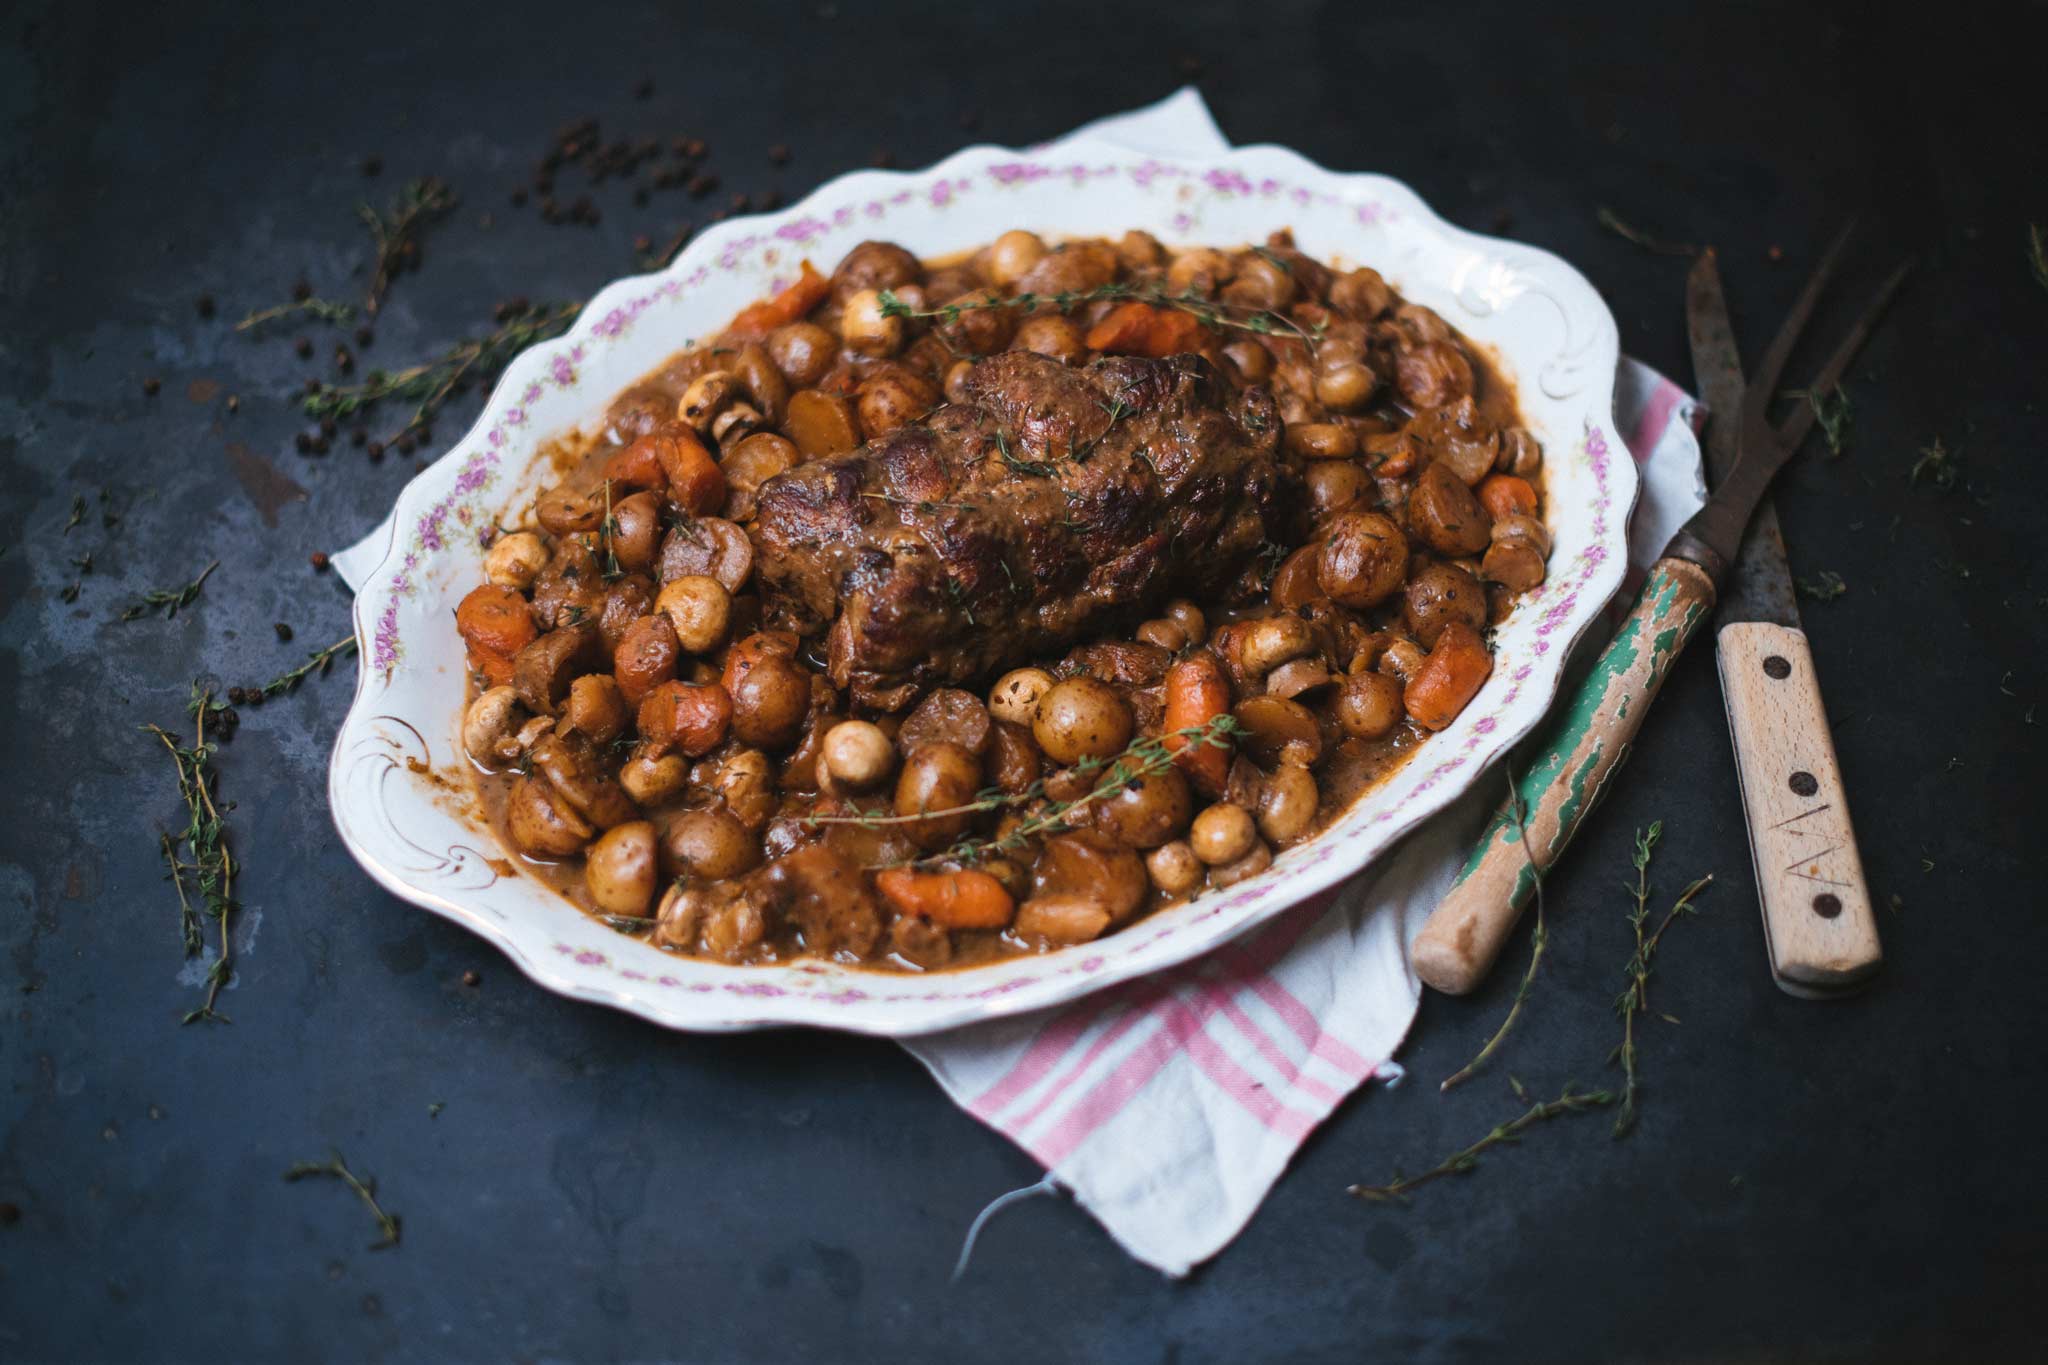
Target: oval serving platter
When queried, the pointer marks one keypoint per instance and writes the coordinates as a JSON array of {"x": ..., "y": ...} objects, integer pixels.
[{"x": 395, "y": 782}]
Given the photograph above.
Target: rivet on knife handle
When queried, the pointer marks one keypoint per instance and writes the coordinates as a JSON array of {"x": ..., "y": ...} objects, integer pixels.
[
  {"x": 1589, "y": 739},
  {"x": 1809, "y": 875}
]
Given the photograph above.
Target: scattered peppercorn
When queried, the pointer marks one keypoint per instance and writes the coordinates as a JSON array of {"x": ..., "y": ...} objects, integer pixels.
[
  {"x": 426, "y": 433},
  {"x": 10, "y": 1214},
  {"x": 519, "y": 199},
  {"x": 405, "y": 445},
  {"x": 376, "y": 451},
  {"x": 284, "y": 631},
  {"x": 302, "y": 443},
  {"x": 302, "y": 291},
  {"x": 883, "y": 158},
  {"x": 373, "y": 165},
  {"x": 239, "y": 696},
  {"x": 151, "y": 385},
  {"x": 701, "y": 185},
  {"x": 304, "y": 347},
  {"x": 318, "y": 559},
  {"x": 1776, "y": 253},
  {"x": 364, "y": 336},
  {"x": 311, "y": 387},
  {"x": 204, "y": 304},
  {"x": 768, "y": 199},
  {"x": 779, "y": 154},
  {"x": 696, "y": 149},
  {"x": 643, "y": 244},
  {"x": 234, "y": 402},
  {"x": 359, "y": 436},
  {"x": 472, "y": 977}
]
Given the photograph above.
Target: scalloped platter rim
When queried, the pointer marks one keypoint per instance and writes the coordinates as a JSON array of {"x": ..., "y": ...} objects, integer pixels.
[{"x": 395, "y": 784}]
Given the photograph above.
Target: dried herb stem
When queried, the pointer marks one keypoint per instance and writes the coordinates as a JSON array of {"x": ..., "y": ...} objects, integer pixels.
[
  {"x": 200, "y": 853},
  {"x": 1570, "y": 1101},
  {"x": 1538, "y": 939},
  {"x": 366, "y": 1190},
  {"x": 397, "y": 234},
  {"x": 169, "y": 600},
  {"x": 431, "y": 383},
  {"x": 324, "y": 310},
  {"x": 1824, "y": 587},
  {"x": 318, "y": 662},
  {"x": 1832, "y": 412},
  {"x": 1610, "y": 220},
  {"x": 1635, "y": 998}
]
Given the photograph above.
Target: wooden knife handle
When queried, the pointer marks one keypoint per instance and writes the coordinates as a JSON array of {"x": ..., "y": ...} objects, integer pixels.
[
  {"x": 1818, "y": 918},
  {"x": 1569, "y": 769}
]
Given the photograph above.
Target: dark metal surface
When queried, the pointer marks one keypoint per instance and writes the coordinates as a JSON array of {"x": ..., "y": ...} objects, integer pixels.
[
  {"x": 1842, "y": 1182},
  {"x": 1758, "y": 586}
]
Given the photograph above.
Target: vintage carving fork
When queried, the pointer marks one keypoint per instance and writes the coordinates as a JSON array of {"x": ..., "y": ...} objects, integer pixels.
[{"x": 1817, "y": 911}]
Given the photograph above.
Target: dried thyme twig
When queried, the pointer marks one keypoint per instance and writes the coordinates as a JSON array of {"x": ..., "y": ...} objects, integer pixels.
[
  {"x": 1610, "y": 220},
  {"x": 398, "y": 234},
  {"x": 319, "y": 662},
  {"x": 1537, "y": 940},
  {"x": 432, "y": 383},
  {"x": 365, "y": 1190},
  {"x": 325, "y": 310},
  {"x": 169, "y": 600},
  {"x": 1636, "y": 998},
  {"x": 1570, "y": 1101},
  {"x": 205, "y": 860}
]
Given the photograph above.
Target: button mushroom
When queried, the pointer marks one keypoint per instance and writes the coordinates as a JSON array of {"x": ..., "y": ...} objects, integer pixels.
[{"x": 490, "y": 726}]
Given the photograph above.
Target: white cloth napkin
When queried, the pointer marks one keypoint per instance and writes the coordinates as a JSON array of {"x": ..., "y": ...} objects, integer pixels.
[{"x": 1168, "y": 1106}]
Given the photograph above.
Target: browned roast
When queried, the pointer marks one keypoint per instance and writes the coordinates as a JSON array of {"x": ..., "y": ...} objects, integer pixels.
[{"x": 1052, "y": 505}]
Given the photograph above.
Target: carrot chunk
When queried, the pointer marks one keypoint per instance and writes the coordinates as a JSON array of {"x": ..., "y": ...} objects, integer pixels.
[
  {"x": 960, "y": 899},
  {"x": 495, "y": 620},
  {"x": 1449, "y": 678},
  {"x": 696, "y": 484},
  {"x": 1196, "y": 693},
  {"x": 791, "y": 305},
  {"x": 1504, "y": 495},
  {"x": 1140, "y": 329}
]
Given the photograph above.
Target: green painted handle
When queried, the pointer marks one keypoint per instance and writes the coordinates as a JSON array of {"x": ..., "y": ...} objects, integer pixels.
[{"x": 1588, "y": 739}]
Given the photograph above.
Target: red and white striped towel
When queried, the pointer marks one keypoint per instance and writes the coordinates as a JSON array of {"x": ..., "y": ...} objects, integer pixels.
[{"x": 1168, "y": 1106}]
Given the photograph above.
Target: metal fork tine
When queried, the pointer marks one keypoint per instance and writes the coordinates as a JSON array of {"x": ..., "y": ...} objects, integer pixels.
[
  {"x": 1794, "y": 428},
  {"x": 1763, "y": 384}
]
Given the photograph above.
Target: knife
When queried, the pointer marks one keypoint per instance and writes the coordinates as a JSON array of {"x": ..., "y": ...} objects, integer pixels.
[
  {"x": 1818, "y": 920},
  {"x": 1592, "y": 730}
]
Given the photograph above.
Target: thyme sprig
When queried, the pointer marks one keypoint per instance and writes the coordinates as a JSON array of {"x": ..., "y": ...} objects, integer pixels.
[
  {"x": 397, "y": 234},
  {"x": 1610, "y": 220},
  {"x": 169, "y": 600},
  {"x": 432, "y": 383},
  {"x": 1539, "y": 938},
  {"x": 1824, "y": 587},
  {"x": 1831, "y": 411},
  {"x": 1262, "y": 321},
  {"x": 318, "y": 662},
  {"x": 1635, "y": 999},
  {"x": 77, "y": 513},
  {"x": 1141, "y": 759},
  {"x": 1569, "y": 1101},
  {"x": 606, "y": 530},
  {"x": 366, "y": 1190},
  {"x": 199, "y": 860},
  {"x": 324, "y": 310},
  {"x": 1937, "y": 464}
]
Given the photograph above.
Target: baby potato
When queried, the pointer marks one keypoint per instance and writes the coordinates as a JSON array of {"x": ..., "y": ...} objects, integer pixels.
[
  {"x": 937, "y": 777},
  {"x": 1148, "y": 812},
  {"x": 1288, "y": 801},
  {"x": 1222, "y": 834},
  {"x": 1016, "y": 694},
  {"x": 709, "y": 844},
  {"x": 621, "y": 869},
  {"x": 771, "y": 692},
  {"x": 1082, "y": 718},
  {"x": 1368, "y": 705}
]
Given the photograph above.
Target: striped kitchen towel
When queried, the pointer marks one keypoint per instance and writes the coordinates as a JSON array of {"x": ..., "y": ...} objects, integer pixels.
[{"x": 1169, "y": 1105}]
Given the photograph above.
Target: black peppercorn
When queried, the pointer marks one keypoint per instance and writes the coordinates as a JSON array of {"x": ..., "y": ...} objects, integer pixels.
[
  {"x": 318, "y": 559},
  {"x": 284, "y": 631},
  {"x": 205, "y": 305},
  {"x": 151, "y": 385}
]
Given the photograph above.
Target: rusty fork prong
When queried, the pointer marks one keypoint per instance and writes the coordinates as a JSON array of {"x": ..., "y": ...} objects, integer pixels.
[
  {"x": 1763, "y": 384},
  {"x": 1794, "y": 428}
]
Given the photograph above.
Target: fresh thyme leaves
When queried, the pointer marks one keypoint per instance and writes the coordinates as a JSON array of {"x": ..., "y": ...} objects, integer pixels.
[
  {"x": 77, "y": 513},
  {"x": 2037, "y": 253},
  {"x": 366, "y": 1190},
  {"x": 1636, "y": 998},
  {"x": 1569, "y": 1101},
  {"x": 1825, "y": 587},
  {"x": 397, "y": 233},
  {"x": 1538, "y": 938},
  {"x": 1831, "y": 411},
  {"x": 1612, "y": 222},
  {"x": 1937, "y": 465},
  {"x": 432, "y": 383},
  {"x": 169, "y": 600},
  {"x": 1141, "y": 759},
  {"x": 1262, "y": 321},
  {"x": 1274, "y": 259},
  {"x": 198, "y": 858},
  {"x": 607, "y": 530},
  {"x": 1036, "y": 469},
  {"x": 323, "y": 310},
  {"x": 315, "y": 663}
]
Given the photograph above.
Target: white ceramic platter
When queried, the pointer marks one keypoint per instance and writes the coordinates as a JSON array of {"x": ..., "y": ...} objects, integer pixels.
[{"x": 396, "y": 769}]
